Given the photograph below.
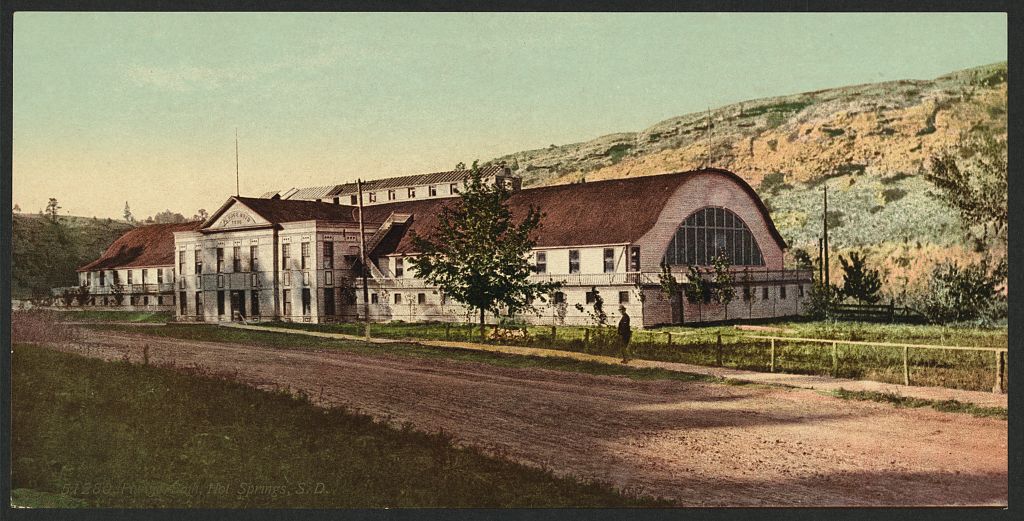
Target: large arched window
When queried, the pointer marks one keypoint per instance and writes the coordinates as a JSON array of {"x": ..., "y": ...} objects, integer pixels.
[{"x": 708, "y": 232}]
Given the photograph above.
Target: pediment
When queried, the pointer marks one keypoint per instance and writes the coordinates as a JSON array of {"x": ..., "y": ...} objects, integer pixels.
[{"x": 237, "y": 215}]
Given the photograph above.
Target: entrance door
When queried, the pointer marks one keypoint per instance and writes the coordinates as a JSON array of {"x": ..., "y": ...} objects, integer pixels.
[{"x": 238, "y": 305}]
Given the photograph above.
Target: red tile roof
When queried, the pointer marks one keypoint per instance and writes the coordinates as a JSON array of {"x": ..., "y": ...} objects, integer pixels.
[
  {"x": 151, "y": 245},
  {"x": 617, "y": 211}
]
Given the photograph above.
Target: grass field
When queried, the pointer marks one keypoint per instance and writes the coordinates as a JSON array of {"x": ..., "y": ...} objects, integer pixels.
[
  {"x": 699, "y": 345},
  {"x": 155, "y": 317},
  {"x": 113, "y": 434}
]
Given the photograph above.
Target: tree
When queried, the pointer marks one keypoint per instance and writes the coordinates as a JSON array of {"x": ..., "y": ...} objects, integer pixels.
[
  {"x": 128, "y": 217},
  {"x": 82, "y": 295},
  {"x": 722, "y": 289},
  {"x": 17, "y": 209},
  {"x": 117, "y": 290},
  {"x": 460, "y": 166},
  {"x": 669, "y": 285},
  {"x": 860, "y": 282},
  {"x": 52, "y": 209},
  {"x": 803, "y": 260},
  {"x": 478, "y": 254},
  {"x": 697, "y": 290},
  {"x": 599, "y": 316},
  {"x": 200, "y": 215},
  {"x": 973, "y": 180},
  {"x": 168, "y": 217},
  {"x": 67, "y": 296},
  {"x": 970, "y": 293}
]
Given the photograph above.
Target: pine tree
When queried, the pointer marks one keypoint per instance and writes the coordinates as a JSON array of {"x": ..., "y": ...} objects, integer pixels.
[
  {"x": 128, "y": 217},
  {"x": 52, "y": 209},
  {"x": 478, "y": 255},
  {"x": 859, "y": 282}
]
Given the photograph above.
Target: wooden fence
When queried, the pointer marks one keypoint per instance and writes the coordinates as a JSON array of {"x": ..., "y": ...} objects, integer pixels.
[
  {"x": 999, "y": 353},
  {"x": 875, "y": 313}
]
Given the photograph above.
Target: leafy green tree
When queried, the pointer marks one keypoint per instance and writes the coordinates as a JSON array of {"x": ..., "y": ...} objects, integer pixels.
[
  {"x": 723, "y": 289},
  {"x": 117, "y": 290},
  {"x": 973, "y": 180},
  {"x": 670, "y": 286},
  {"x": 823, "y": 299},
  {"x": 168, "y": 217},
  {"x": 478, "y": 254},
  {"x": 67, "y": 296},
  {"x": 52, "y": 209},
  {"x": 598, "y": 315},
  {"x": 803, "y": 260},
  {"x": 964, "y": 294},
  {"x": 859, "y": 281}
]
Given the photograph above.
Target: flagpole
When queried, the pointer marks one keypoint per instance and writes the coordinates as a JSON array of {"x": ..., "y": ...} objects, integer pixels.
[
  {"x": 237, "y": 191},
  {"x": 362, "y": 254}
]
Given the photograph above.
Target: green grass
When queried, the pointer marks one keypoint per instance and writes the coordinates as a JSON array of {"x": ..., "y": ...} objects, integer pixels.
[
  {"x": 939, "y": 405},
  {"x": 113, "y": 434},
  {"x": 969, "y": 370},
  {"x": 152, "y": 317}
]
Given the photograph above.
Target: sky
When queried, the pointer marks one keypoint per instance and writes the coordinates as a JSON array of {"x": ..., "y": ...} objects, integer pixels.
[{"x": 143, "y": 107}]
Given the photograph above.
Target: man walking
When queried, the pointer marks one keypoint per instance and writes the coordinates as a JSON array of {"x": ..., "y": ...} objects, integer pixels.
[{"x": 624, "y": 333}]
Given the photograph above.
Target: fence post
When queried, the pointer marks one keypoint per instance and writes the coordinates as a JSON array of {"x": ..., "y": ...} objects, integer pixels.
[
  {"x": 554, "y": 334},
  {"x": 669, "y": 334},
  {"x": 906, "y": 365},
  {"x": 772, "y": 369},
  {"x": 835, "y": 359},
  {"x": 718, "y": 358},
  {"x": 586, "y": 336},
  {"x": 998, "y": 387},
  {"x": 447, "y": 330}
]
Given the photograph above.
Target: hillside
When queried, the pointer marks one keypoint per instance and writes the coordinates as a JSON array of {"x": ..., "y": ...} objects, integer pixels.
[
  {"x": 46, "y": 254},
  {"x": 867, "y": 143}
]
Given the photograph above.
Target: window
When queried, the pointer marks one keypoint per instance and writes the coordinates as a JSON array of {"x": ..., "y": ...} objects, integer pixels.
[
  {"x": 559, "y": 297},
  {"x": 433, "y": 191},
  {"x": 236, "y": 259},
  {"x": 398, "y": 298},
  {"x": 220, "y": 260},
  {"x": 592, "y": 296},
  {"x": 634, "y": 258},
  {"x": 306, "y": 298},
  {"x": 305, "y": 278},
  {"x": 254, "y": 280},
  {"x": 373, "y": 197},
  {"x": 182, "y": 304},
  {"x": 253, "y": 258},
  {"x": 391, "y": 195},
  {"x": 764, "y": 292},
  {"x": 399, "y": 268},
  {"x": 801, "y": 288},
  {"x": 782, "y": 292},
  {"x": 159, "y": 276},
  {"x": 328, "y": 255},
  {"x": 197, "y": 261},
  {"x": 254, "y": 303},
  {"x": 286, "y": 256},
  {"x": 145, "y": 300},
  {"x": 103, "y": 278},
  {"x": 220, "y": 303},
  {"x": 286, "y": 301},
  {"x": 709, "y": 232},
  {"x": 412, "y": 192},
  {"x": 328, "y": 301},
  {"x": 373, "y": 298},
  {"x": 181, "y": 262},
  {"x": 443, "y": 298},
  {"x": 130, "y": 276},
  {"x": 453, "y": 188},
  {"x": 354, "y": 199},
  {"x": 746, "y": 292},
  {"x": 574, "y": 261},
  {"x": 199, "y": 304},
  {"x": 220, "y": 281},
  {"x": 421, "y": 298},
  {"x": 623, "y": 297},
  {"x": 609, "y": 260},
  {"x": 329, "y": 278},
  {"x": 145, "y": 276},
  {"x": 287, "y": 278},
  {"x": 304, "y": 255},
  {"x": 88, "y": 278},
  {"x": 541, "y": 262}
]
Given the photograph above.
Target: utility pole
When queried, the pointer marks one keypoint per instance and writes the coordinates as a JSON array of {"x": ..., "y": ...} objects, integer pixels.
[
  {"x": 237, "y": 191},
  {"x": 366, "y": 266},
  {"x": 821, "y": 261},
  {"x": 709, "y": 139},
  {"x": 824, "y": 222}
]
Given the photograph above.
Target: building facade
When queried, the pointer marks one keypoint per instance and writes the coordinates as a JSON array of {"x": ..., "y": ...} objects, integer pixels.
[{"x": 298, "y": 259}]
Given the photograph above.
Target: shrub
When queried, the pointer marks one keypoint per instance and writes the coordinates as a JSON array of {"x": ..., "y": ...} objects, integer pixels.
[
  {"x": 823, "y": 299},
  {"x": 964, "y": 294}
]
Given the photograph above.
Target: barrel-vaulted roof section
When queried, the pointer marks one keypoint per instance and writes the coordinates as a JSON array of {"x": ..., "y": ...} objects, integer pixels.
[{"x": 617, "y": 211}]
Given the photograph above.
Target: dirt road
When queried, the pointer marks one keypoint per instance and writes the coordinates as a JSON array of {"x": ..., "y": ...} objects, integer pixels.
[{"x": 697, "y": 443}]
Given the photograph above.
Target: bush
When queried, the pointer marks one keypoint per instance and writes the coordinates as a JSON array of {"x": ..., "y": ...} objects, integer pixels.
[
  {"x": 823, "y": 300},
  {"x": 964, "y": 294}
]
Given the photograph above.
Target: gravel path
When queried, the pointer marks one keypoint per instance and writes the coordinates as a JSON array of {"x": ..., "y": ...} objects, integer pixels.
[{"x": 698, "y": 443}]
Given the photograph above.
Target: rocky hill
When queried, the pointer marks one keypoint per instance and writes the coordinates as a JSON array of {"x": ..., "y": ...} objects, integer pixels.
[{"x": 868, "y": 143}]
